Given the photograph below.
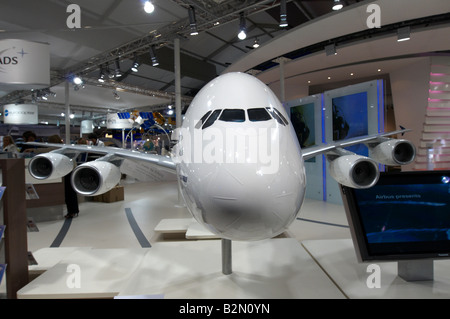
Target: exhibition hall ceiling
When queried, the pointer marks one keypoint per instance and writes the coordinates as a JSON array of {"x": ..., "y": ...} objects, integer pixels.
[
  {"x": 111, "y": 29},
  {"x": 121, "y": 28}
]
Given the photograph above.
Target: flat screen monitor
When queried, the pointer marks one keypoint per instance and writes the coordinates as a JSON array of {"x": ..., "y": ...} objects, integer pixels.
[{"x": 405, "y": 216}]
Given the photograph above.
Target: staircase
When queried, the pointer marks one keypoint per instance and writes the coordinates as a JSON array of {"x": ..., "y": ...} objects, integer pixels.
[{"x": 434, "y": 149}]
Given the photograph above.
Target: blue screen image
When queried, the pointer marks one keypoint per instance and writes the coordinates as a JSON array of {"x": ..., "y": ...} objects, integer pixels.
[
  {"x": 350, "y": 119},
  {"x": 405, "y": 213}
]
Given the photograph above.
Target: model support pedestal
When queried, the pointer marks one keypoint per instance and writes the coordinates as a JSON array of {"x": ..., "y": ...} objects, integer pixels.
[
  {"x": 416, "y": 270},
  {"x": 226, "y": 257}
]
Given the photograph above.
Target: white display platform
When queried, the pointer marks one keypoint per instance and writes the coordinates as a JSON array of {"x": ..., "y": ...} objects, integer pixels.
[
  {"x": 189, "y": 226},
  {"x": 46, "y": 258},
  {"x": 174, "y": 225},
  {"x": 103, "y": 273},
  {"x": 276, "y": 268},
  {"x": 198, "y": 231},
  {"x": 338, "y": 259}
]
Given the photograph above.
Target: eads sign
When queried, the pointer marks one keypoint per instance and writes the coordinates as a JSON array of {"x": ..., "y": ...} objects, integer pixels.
[{"x": 24, "y": 64}]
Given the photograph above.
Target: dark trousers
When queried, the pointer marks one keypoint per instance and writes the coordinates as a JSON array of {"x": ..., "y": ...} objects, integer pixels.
[{"x": 70, "y": 196}]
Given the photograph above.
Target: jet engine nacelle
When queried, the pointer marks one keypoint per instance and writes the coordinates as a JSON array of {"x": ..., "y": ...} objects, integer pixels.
[
  {"x": 393, "y": 152},
  {"x": 95, "y": 178},
  {"x": 354, "y": 171},
  {"x": 50, "y": 165}
]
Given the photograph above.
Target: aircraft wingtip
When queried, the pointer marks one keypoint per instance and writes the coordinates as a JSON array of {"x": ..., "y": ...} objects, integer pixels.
[{"x": 402, "y": 128}]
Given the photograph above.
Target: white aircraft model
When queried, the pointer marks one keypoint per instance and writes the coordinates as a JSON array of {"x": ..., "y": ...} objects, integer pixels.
[{"x": 238, "y": 162}]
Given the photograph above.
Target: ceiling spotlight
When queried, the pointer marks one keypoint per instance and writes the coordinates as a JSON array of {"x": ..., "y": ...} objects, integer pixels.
[
  {"x": 101, "y": 77},
  {"x": 283, "y": 14},
  {"x": 44, "y": 94},
  {"x": 77, "y": 80},
  {"x": 256, "y": 43},
  {"x": 192, "y": 21},
  {"x": 108, "y": 72},
  {"x": 76, "y": 87},
  {"x": 136, "y": 64},
  {"x": 403, "y": 34},
  {"x": 135, "y": 67},
  {"x": 118, "y": 73},
  {"x": 149, "y": 7},
  {"x": 337, "y": 5},
  {"x": 116, "y": 96},
  {"x": 242, "y": 28},
  {"x": 153, "y": 56}
]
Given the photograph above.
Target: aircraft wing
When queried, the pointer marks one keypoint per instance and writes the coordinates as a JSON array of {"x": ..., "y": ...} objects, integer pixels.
[
  {"x": 357, "y": 171},
  {"x": 313, "y": 151},
  {"x": 158, "y": 161},
  {"x": 167, "y": 164},
  {"x": 97, "y": 176}
]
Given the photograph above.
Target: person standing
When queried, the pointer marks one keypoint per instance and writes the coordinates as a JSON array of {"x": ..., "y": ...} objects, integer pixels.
[
  {"x": 28, "y": 136},
  {"x": 10, "y": 146},
  {"x": 94, "y": 140},
  {"x": 70, "y": 195}
]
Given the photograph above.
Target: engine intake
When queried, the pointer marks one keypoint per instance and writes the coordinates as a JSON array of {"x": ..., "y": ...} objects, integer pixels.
[
  {"x": 393, "y": 152},
  {"x": 49, "y": 166},
  {"x": 354, "y": 171},
  {"x": 95, "y": 178}
]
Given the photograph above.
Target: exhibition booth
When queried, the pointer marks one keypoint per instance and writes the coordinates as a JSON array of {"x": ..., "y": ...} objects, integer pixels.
[{"x": 144, "y": 230}]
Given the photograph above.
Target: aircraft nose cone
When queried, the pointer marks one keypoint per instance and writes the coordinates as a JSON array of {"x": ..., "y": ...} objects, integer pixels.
[{"x": 247, "y": 205}]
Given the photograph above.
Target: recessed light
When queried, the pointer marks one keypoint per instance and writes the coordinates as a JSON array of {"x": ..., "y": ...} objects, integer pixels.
[{"x": 149, "y": 7}]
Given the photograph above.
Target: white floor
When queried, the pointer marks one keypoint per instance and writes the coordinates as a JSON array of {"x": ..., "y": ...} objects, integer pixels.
[
  {"x": 105, "y": 225},
  {"x": 321, "y": 232}
]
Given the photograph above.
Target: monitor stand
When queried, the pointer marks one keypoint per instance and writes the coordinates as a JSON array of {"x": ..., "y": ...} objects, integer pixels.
[
  {"x": 416, "y": 270},
  {"x": 227, "y": 268}
]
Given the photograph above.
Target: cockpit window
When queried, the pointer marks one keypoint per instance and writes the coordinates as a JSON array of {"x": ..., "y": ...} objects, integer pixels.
[
  {"x": 282, "y": 117},
  {"x": 210, "y": 121},
  {"x": 238, "y": 116},
  {"x": 233, "y": 115},
  {"x": 202, "y": 120},
  {"x": 257, "y": 115},
  {"x": 277, "y": 116}
]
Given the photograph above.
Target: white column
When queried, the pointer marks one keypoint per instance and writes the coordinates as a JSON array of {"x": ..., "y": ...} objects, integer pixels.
[
  {"x": 282, "y": 88},
  {"x": 179, "y": 119},
  {"x": 67, "y": 118}
]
